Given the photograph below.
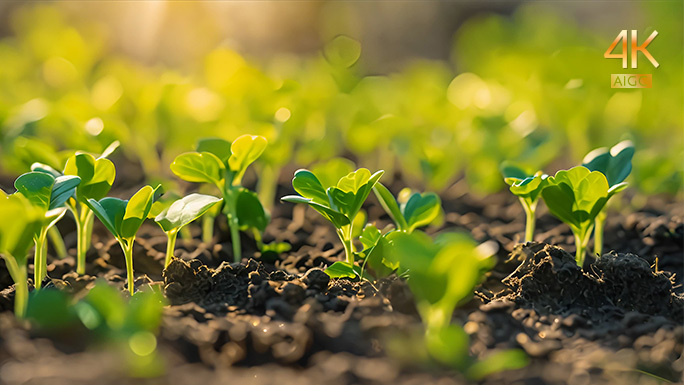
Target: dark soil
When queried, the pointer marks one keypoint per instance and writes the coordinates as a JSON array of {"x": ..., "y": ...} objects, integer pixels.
[{"x": 617, "y": 321}]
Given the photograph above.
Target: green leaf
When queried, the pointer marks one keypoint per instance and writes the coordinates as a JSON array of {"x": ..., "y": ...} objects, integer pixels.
[
  {"x": 390, "y": 205},
  {"x": 359, "y": 184},
  {"x": 97, "y": 175},
  {"x": 36, "y": 187},
  {"x": 421, "y": 210},
  {"x": 109, "y": 150},
  {"x": 185, "y": 210},
  {"x": 250, "y": 212},
  {"x": 342, "y": 51},
  {"x": 340, "y": 269},
  {"x": 16, "y": 235},
  {"x": 415, "y": 252},
  {"x": 50, "y": 310},
  {"x": 353, "y": 181},
  {"x": 338, "y": 219},
  {"x": 244, "y": 151},
  {"x": 358, "y": 223},
  {"x": 217, "y": 146},
  {"x": 576, "y": 196},
  {"x": 514, "y": 171},
  {"x": 615, "y": 164},
  {"x": 44, "y": 168},
  {"x": 307, "y": 185},
  {"x": 448, "y": 345},
  {"x": 198, "y": 167},
  {"x": 136, "y": 211},
  {"x": 342, "y": 201},
  {"x": 370, "y": 236},
  {"x": 63, "y": 189},
  {"x": 110, "y": 211},
  {"x": 528, "y": 188}
]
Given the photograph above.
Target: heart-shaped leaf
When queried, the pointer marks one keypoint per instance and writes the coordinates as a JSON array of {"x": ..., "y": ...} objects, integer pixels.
[
  {"x": 615, "y": 164},
  {"x": 421, "y": 210},
  {"x": 136, "y": 212},
  {"x": 185, "y": 210},
  {"x": 341, "y": 269},
  {"x": 201, "y": 167},
  {"x": 217, "y": 146},
  {"x": 97, "y": 175},
  {"x": 307, "y": 185},
  {"x": 353, "y": 181},
  {"x": 576, "y": 196},
  {"x": 244, "y": 151},
  {"x": 250, "y": 212},
  {"x": 36, "y": 187}
]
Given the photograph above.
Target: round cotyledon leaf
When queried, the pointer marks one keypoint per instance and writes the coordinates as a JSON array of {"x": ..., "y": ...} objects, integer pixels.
[{"x": 185, "y": 210}]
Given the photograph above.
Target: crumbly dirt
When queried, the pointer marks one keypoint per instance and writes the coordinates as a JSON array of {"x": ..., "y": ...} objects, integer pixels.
[{"x": 617, "y": 321}]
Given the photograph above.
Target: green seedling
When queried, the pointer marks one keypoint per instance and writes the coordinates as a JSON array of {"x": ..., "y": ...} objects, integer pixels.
[
  {"x": 442, "y": 275},
  {"x": 123, "y": 219},
  {"x": 417, "y": 210},
  {"x": 527, "y": 185},
  {"x": 616, "y": 165},
  {"x": 223, "y": 164},
  {"x": 340, "y": 204},
  {"x": 104, "y": 316},
  {"x": 180, "y": 213},
  {"x": 97, "y": 177},
  {"x": 576, "y": 197},
  {"x": 21, "y": 222},
  {"x": 48, "y": 194}
]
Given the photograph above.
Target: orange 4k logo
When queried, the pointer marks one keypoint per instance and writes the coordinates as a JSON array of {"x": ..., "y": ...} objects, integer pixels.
[{"x": 622, "y": 37}]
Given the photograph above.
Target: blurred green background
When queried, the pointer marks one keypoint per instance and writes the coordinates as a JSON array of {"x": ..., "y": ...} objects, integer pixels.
[{"x": 431, "y": 92}]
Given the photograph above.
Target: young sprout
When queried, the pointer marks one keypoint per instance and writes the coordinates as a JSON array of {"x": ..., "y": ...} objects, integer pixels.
[
  {"x": 21, "y": 222},
  {"x": 340, "y": 204},
  {"x": 48, "y": 194},
  {"x": 179, "y": 214},
  {"x": 223, "y": 164},
  {"x": 527, "y": 186},
  {"x": 123, "y": 218},
  {"x": 442, "y": 274},
  {"x": 616, "y": 165},
  {"x": 576, "y": 197},
  {"x": 97, "y": 177},
  {"x": 417, "y": 210}
]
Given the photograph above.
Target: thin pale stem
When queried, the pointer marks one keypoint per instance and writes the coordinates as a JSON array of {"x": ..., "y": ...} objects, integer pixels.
[
  {"x": 235, "y": 239},
  {"x": 581, "y": 242},
  {"x": 170, "y": 246},
  {"x": 207, "y": 228},
  {"x": 127, "y": 247},
  {"x": 598, "y": 234},
  {"x": 18, "y": 273},
  {"x": 530, "y": 219},
  {"x": 39, "y": 259},
  {"x": 83, "y": 229},
  {"x": 57, "y": 242}
]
